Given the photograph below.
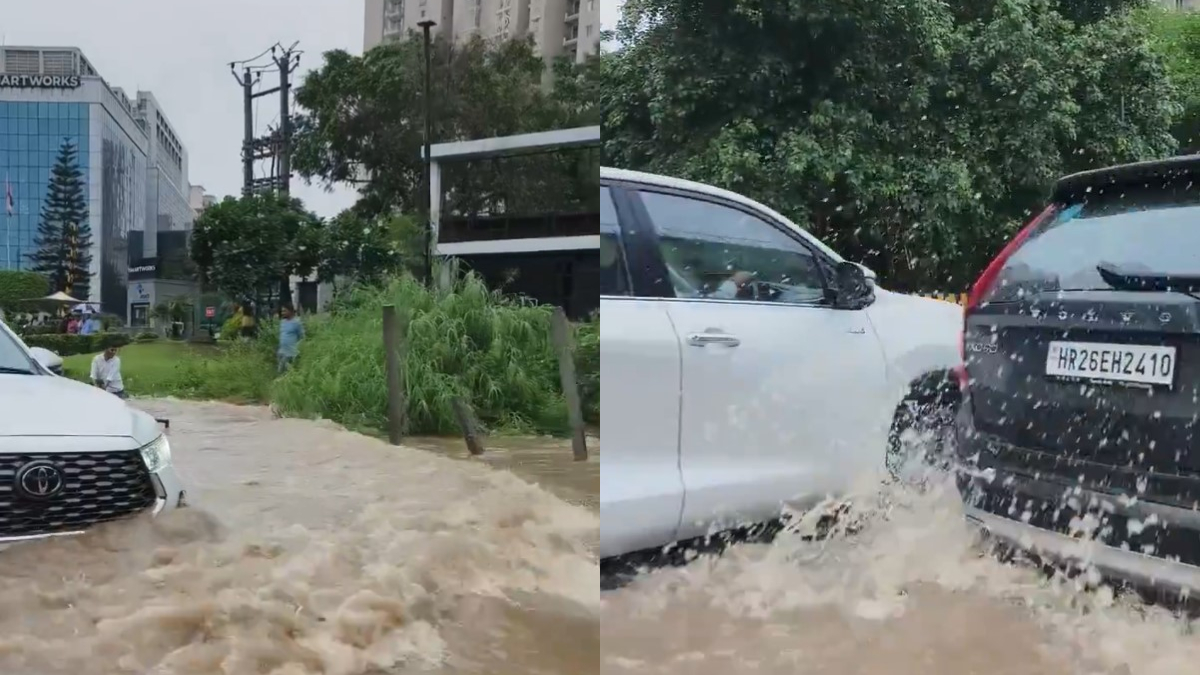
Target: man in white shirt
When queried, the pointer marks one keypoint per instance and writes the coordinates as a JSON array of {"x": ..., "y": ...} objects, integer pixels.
[{"x": 106, "y": 372}]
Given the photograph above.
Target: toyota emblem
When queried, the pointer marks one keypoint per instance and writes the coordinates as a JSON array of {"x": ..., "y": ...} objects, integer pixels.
[{"x": 40, "y": 479}]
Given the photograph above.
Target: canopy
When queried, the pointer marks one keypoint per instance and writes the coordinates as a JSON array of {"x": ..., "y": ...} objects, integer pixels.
[{"x": 60, "y": 297}]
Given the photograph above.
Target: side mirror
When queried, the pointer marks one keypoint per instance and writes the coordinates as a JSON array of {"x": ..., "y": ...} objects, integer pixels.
[
  {"x": 48, "y": 359},
  {"x": 868, "y": 273},
  {"x": 854, "y": 288}
]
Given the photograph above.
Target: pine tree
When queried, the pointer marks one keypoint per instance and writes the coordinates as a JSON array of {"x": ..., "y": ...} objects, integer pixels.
[{"x": 64, "y": 238}]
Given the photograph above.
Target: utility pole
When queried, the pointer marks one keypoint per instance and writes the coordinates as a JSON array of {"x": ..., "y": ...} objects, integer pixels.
[
  {"x": 426, "y": 26},
  {"x": 276, "y": 144}
]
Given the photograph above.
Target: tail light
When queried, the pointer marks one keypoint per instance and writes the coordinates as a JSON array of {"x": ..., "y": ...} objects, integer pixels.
[{"x": 983, "y": 285}]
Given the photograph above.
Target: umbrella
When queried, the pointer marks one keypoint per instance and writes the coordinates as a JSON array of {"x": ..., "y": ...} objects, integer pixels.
[
  {"x": 60, "y": 297},
  {"x": 85, "y": 308}
]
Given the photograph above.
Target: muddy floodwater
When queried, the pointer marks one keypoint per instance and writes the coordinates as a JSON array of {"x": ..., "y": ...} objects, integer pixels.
[
  {"x": 311, "y": 549},
  {"x": 912, "y": 594}
]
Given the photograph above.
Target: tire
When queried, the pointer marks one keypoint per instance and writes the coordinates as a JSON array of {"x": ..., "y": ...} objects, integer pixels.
[{"x": 922, "y": 438}]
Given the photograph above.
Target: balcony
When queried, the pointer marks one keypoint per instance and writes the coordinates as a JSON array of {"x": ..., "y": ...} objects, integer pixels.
[{"x": 573, "y": 12}]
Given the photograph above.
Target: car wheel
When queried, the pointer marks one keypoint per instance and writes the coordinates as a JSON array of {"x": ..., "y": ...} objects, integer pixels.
[{"x": 921, "y": 441}]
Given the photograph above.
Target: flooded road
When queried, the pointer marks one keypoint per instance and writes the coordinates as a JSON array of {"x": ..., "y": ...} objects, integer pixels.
[
  {"x": 312, "y": 550},
  {"x": 910, "y": 595}
]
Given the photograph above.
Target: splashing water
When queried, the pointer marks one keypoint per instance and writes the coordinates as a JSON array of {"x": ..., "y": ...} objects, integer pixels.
[
  {"x": 912, "y": 590},
  {"x": 311, "y": 550}
]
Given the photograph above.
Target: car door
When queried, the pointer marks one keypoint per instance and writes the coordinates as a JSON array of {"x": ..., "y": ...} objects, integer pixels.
[
  {"x": 641, "y": 490},
  {"x": 778, "y": 387}
]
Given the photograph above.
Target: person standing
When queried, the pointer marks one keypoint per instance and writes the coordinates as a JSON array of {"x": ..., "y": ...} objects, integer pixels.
[
  {"x": 106, "y": 372},
  {"x": 248, "y": 324},
  {"x": 291, "y": 332}
]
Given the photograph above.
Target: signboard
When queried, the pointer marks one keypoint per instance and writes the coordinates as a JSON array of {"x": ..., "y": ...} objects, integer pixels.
[
  {"x": 40, "y": 81},
  {"x": 143, "y": 268},
  {"x": 210, "y": 312}
]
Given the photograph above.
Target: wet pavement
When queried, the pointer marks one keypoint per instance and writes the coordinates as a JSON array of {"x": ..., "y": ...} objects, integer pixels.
[{"x": 313, "y": 550}]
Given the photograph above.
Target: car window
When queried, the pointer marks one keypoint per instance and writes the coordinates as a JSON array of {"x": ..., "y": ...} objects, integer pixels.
[
  {"x": 1143, "y": 229},
  {"x": 716, "y": 251},
  {"x": 12, "y": 354},
  {"x": 614, "y": 276}
]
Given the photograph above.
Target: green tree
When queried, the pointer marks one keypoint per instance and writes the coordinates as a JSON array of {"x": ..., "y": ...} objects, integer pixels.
[
  {"x": 1176, "y": 38},
  {"x": 367, "y": 250},
  {"x": 64, "y": 238},
  {"x": 361, "y": 123},
  {"x": 248, "y": 246},
  {"x": 913, "y": 135},
  {"x": 16, "y": 286}
]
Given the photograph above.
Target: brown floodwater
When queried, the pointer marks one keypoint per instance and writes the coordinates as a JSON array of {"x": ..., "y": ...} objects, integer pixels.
[
  {"x": 311, "y": 550},
  {"x": 913, "y": 593}
]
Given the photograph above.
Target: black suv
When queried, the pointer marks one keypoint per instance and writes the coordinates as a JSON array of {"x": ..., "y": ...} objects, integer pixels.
[{"x": 1081, "y": 346}]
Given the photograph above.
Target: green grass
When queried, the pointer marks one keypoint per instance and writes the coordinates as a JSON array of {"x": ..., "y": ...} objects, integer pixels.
[
  {"x": 469, "y": 342},
  {"x": 237, "y": 373}
]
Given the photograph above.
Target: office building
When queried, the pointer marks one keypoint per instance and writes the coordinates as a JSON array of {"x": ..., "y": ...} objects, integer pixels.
[
  {"x": 133, "y": 163},
  {"x": 558, "y": 27}
]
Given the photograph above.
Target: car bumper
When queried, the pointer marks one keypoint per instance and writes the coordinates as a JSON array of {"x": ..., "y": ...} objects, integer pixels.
[
  {"x": 170, "y": 495},
  {"x": 1139, "y": 541}
]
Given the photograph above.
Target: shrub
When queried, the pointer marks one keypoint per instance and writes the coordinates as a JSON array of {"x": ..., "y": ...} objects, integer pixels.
[
  {"x": 17, "y": 285},
  {"x": 69, "y": 345},
  {"x": 470, "y": 342},
  {"x": 232, "y": 327},
  {"x": 146, "y": 337},
  {"x": 587, "y": 367}
]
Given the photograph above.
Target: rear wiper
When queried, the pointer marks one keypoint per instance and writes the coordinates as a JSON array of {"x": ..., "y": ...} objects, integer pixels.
[
  {"x": 9, "y": 370},
  {"x": 1148, "y": 281}
]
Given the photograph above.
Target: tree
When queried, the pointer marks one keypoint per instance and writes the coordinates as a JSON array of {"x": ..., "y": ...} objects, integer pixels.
[
  {"x": 361, "y": 123},
  {"x": 367, "y": 250},
  {"x": 64, "y": 238},
  {"x": 16, "y": 286},
  {"x": 1175, "y": 36},
  {"x": 912, "y": 135},
  {"x": 249, "y": 246}
]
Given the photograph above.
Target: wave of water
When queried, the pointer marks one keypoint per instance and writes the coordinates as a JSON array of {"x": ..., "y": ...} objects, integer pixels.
[{"x": 913, "y": 590}]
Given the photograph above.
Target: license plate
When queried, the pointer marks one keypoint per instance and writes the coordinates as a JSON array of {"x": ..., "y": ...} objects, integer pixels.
[{"x": 1141, "y": 364}]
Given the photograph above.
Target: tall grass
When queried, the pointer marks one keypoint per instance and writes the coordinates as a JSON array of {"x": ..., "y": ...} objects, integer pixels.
[{"x": 466, "y": 341}]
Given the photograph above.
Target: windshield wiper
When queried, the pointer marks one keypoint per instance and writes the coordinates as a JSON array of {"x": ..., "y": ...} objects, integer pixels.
[
  {"x": 1123, "y": 280},
  {"x": 9, "y": 370}
]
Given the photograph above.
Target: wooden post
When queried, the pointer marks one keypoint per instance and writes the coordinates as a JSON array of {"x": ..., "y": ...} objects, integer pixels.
[
  {"x": 466, "y": 422},
  {"x": 560, "y": 336},
  {"x": 393, "y": 350}
]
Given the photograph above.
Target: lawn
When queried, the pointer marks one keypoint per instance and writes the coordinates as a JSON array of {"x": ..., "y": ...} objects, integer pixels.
[{"x": 184, "y": 370}]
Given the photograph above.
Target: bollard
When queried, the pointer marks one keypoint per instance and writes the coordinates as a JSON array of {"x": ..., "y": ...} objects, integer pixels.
[
  {"x": 560, "y": 337},
  {"x": 394, "y": 346}
]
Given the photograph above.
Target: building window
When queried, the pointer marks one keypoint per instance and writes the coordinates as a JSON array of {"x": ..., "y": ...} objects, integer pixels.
[{"x": 588, "y": 30}]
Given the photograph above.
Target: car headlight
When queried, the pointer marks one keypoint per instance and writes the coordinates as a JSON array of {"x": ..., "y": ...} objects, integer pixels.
[{"x": 157, "y": 454}]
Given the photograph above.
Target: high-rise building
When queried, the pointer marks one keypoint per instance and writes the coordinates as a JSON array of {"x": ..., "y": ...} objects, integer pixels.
[
  {"x": 133, "y": 163},
  {"x": 559, "y": 27}
]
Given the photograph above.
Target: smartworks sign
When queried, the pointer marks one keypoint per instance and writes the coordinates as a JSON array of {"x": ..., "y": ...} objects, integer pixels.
[{"x": 39, "y": 81}]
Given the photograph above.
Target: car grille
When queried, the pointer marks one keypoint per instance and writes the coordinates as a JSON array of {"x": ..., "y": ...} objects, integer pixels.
[{"x": 98, "y": 487}]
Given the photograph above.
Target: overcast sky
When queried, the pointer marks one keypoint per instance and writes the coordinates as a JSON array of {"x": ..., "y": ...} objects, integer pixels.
[
  {"x": 610, "y": 12},
  {"x": 181, "y": 52}
]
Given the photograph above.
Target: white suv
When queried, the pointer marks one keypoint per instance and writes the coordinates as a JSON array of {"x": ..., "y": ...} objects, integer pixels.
[
  {"x": 71, "y": 455},
  {"x": 745, "y": 365}
]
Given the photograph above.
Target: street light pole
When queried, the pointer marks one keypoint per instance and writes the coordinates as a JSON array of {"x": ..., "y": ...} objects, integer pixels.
[{"x": 426, "y": 26}]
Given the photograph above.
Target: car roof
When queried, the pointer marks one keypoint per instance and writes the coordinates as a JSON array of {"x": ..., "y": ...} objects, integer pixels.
[
  {"x": 653, "y": 179},
  {"x": 1157, "y": 170}
]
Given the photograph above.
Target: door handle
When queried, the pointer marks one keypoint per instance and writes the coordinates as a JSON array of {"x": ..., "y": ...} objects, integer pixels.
[{"x": 703, "y": 339}]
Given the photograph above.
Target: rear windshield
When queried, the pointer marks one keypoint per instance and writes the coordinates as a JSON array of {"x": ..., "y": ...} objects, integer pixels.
[{"x": 1142, "y": 230}]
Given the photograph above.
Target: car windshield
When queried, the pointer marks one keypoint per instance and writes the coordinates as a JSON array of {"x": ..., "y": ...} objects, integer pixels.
[
  {"x": 1143, "y": 231},
  {"x": 13, "y": 357}
]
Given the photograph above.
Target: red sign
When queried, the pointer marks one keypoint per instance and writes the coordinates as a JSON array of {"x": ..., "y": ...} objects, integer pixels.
[{"x": 210, "y": 312}]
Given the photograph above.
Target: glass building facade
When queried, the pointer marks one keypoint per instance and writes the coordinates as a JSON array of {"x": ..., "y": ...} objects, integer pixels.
[
  {"x": 133, "y": 165},
  {"x": 31, "y": 133}
]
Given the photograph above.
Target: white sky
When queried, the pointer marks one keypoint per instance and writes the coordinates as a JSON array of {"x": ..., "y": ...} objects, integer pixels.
[
  {"x": 610, "y": 13},
  {"x": 181, "y": 52}
]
